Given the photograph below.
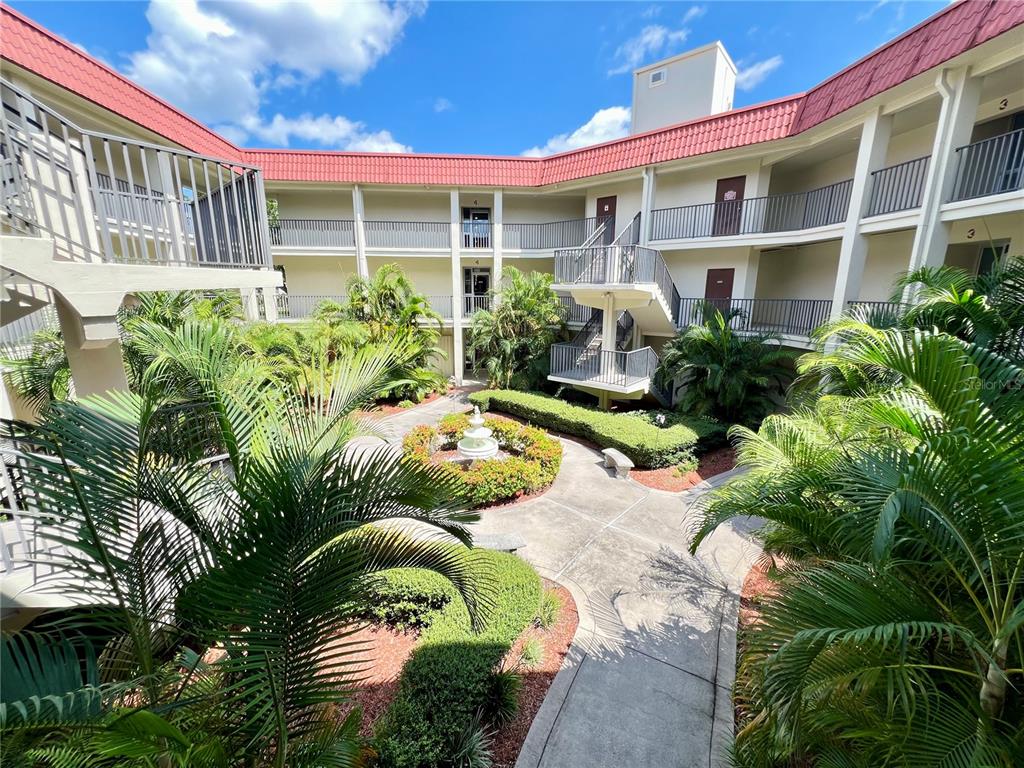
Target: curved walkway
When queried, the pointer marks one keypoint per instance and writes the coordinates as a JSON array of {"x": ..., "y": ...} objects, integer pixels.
[{"x": 647, "y": 681}]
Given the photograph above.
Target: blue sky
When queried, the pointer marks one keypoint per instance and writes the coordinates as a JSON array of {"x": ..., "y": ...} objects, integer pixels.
[{"x": 483, "y": 78}]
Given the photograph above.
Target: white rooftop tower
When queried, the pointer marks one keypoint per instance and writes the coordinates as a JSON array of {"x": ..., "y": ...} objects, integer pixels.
[{"x": 694, "y": 84}]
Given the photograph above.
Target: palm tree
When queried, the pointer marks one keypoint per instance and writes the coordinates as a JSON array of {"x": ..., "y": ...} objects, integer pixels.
[
  {"x": 896, "y": 636},
  {"x": 513, "y": 338},
  {"x": 44, "y": 374},
  {"x": 736, "y": 378},
  {"x": 266, "y": 558}
]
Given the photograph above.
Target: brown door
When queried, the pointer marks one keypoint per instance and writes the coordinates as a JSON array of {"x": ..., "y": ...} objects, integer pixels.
[
  {"x": 718, "y": 288},
  {"x": 606, "y": 210},
  {"x": 728, "y": 205}
]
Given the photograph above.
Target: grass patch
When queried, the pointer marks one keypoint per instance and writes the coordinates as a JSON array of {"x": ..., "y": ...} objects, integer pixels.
[{"x": 651, "y": 439}]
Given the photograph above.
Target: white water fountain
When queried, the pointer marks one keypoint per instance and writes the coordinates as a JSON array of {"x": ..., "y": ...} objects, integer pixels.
[{"x": 476, "y": 442}]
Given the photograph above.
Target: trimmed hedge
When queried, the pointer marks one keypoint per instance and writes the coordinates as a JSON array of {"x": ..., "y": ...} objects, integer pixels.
[
  {"x": 534, "y": 467},
  {"x": 646, "y": 443},
  {"x": 450, "y": 677},
  {"x": 408, "y": 597}
]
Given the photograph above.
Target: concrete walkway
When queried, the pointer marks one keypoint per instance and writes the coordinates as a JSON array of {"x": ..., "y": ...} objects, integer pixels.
[{"x": 647, "y": 680}]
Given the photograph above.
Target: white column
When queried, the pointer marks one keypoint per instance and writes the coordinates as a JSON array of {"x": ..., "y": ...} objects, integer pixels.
[
  {"x": 358, "y": 216},
  {"x": 608, "y": 328},
  {"x": 96, "y": 363},
  {"x": 853, "y": 250},
  {"x": 748, "y": 287},
  {"x": 960, "y": 96},
  {"x": 270, "y": 304},
  {"x": 250, "y": 305},
  {"x": 458, "y": 303},
  {"x": 497, "y": 242},
  {"x": 647, "y": 193}
]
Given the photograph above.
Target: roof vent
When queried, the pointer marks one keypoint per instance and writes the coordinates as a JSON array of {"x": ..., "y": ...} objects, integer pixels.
[{"x": 657, "y": 77}]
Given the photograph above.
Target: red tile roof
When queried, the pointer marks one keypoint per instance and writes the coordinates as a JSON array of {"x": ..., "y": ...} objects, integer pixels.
[{"x": 940, "y": 38}]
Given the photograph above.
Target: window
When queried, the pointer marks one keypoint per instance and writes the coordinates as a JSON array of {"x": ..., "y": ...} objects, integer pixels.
[{"x": 657, "y": 77}]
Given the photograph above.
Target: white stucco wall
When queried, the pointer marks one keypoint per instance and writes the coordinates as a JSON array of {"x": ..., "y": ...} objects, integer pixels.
[
  {"x": 390, "y": 205},
  {"x": 698, "y": 186},
  {"x": 888, "y": 257},
  {"x": 805, "y": 272},
  {"x": 324, "y": 203},
  {"x": 689, "y": 268},
  {"x": 540, "y": 209},
  {"x": 431, "y": 276},
  {"x": 317, "y": 275},
  {"x": 626, "y": 206}
]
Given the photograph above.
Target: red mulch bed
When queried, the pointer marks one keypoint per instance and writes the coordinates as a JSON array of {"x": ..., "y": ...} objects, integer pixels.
[
  {"x": 387, "y": 407},
  {"x": 385, "y": 654},
  {"x": 668, "y": 479},
  {"x": 387, "y": 650},
  {"x": 536, "y": 680}
]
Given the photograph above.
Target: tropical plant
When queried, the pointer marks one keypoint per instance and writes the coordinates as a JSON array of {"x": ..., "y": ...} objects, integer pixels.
[
  {"x": 513, "y": 338},
  {"x": 224, "y": 590},
  {"x": 389, "y": 306},
  {"x": 733, "y": 377},
  {"x": 43, "y": 375},
  {"x": 896, "y": 635}
]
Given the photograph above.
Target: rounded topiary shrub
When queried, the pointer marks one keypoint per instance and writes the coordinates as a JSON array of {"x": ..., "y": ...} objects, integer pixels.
[{"x": 530, "y": 461}]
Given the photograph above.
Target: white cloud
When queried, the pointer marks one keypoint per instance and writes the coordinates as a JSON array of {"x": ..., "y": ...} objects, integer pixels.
[
  {"x": 651, "y": 41},
  {"x": 218, "y": 60},
  {"x": 650, "y": 12},
  {"x": 752, "y": 75},
  {"x": 606, "y": 124},
  {"x": 443, "y": 105},
  {"x": 865, "y": 15},
  {"x": 694, "y": 12},
  {"x": 331, "y": 131}
]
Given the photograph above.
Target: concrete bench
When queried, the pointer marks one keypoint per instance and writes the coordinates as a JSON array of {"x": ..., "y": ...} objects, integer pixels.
[
  {"x": 501, "y": 542},
  {"x": 619, "y": 460}
]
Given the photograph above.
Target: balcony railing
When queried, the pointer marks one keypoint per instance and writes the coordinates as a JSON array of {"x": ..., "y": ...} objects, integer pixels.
[
  {"x": 552, "y": 234},
  {"x": 990, "y": 167},
  {"x": 407, "y": 234},
  {"x": 898, "y": 187},
  {"x": 110, "y": 199},
  {"x": 16, "y": 335},
  {"x": 476, "y": 234},
  {"x": 442, "y": 305},
  {"x": 297, "y": 306},
  {"x": 616, "y": 264},
  {"x": 314, "y": 233},
  {"x": 598, "y": 367},
  {"x": 754, "y": 215},
  {"x": 472, "y": 303},
  {"x": 790, "y": 317},
  {"x": 575, "y": 313}
]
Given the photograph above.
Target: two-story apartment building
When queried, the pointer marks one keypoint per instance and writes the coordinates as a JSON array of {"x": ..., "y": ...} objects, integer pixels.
[{"x": 789, "y": 210}]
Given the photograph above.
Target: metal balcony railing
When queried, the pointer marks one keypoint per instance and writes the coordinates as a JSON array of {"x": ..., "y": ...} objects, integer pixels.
[
  {"x": 790, "y": 317},
  {"x": 476, "y": 234},
  {"x": 314, "y": 233},
  {"x": 473, "y": 303},
  {"x": 552, "y": 234},
  {"x": 598, "y": 367},
  {"x": 297, "y": 306},
  {"x": 990, "y": 167},
  {"x": 618, "y": 265},
  {"x": 899, "y": 187},
  {"x": 407, "y": 234},
  {"x": 574, "y": 313},
  {"x": 16, "y": 335},
  {"x": 754, "y": 215},
  {"x": 442, "y": 304},
  {"x": 106, "y": 198}
]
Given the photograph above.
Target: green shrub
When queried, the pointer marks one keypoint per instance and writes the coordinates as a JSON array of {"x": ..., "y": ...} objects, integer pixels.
[
  {"x": 451, "y": 677},
  {"x": 408, "y": 597},
  {"x": 638, "y": 435},
  {"x": 549, "y": 610},
  {"x": 490, "y": 480},
  {"x": 406, "y": 404}
]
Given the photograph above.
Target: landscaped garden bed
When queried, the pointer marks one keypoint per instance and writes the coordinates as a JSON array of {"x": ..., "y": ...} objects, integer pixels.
[
  {"x": 689, "y": 474},
  {"x": 528, "y": 463},
  {"x": 463, "y": 691},
  {"x": 650, "y": 439}
]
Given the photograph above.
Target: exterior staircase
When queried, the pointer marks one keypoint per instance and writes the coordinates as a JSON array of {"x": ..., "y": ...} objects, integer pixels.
[{"x": 632, "y": 282}]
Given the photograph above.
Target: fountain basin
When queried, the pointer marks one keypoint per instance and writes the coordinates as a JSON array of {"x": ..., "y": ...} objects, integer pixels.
[{"x": 476, "y": 442}]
